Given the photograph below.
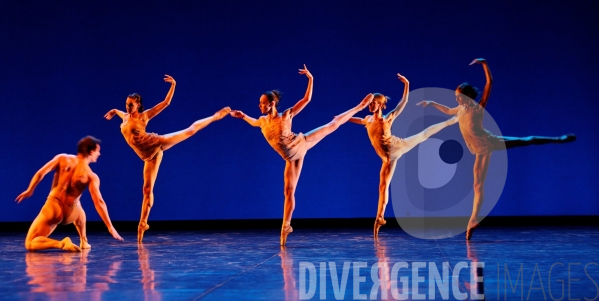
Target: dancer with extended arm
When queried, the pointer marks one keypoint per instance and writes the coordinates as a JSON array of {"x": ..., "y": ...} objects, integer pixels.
[
  {"x": 390, "y": 148},
  {"x": 276, "y": 128},
  {"x": 149, "y": 146},
  {"x": 481, "y": 142},
  {"x": 72, "y": 175}
]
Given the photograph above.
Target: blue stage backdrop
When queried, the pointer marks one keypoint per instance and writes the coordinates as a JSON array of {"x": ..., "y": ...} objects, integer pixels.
[{"x": 64, "y": 64}]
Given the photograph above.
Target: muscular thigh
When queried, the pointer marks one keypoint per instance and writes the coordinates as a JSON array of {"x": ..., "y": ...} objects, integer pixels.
[
  {"x": 292, "y": 172},
  {"x": 46, "y": 221},
  {"x": 70, "y": 214}
]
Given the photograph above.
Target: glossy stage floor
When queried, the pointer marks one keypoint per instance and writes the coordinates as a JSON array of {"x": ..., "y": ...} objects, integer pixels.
[{"x": 527, "y": 263}]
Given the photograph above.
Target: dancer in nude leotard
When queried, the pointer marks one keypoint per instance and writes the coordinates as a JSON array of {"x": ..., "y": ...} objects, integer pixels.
[
  {"x": 276, "y": 128},
  {"x": 71, "y": 176},
  {"x": 481, "y": 142},
  {"x": 389, "y": 147},
  {"x": 149, "y": 146}
]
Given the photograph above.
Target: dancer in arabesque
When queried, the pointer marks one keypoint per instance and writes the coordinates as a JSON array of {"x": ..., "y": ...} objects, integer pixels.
[
  {"x": 480, "y": 141},
  {"x": 149, "y": 146},
  {"x": 276, "y": 128},
  {"x": 390, "y": 148}
]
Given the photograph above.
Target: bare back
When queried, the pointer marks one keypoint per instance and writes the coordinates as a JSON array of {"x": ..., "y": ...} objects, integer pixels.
[{"x": 71, "y": 177}]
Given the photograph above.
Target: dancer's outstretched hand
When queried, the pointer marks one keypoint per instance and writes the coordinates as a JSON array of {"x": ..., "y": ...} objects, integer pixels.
[
  {"x": 222, "y": 113},
  {"x": 25, "y": 194},
  {"x": 402, "y": 78},
  {"x": 424, "y": 103},
  {"x": 477, "y": 61},
  {"x": 366, "y": 101},
  {"x": 169, "y": 79},
  {"x": 237, "y": 114},
  {"x": 110, "y": 114},
  {"x": 305, "y": 71},
  {"x": 115, "y": 234}
]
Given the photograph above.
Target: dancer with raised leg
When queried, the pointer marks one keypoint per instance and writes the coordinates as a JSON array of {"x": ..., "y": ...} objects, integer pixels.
[
  {"x": 276, "y": 128},
  {"x": 481, "y": 142},
  {"x": 390, "y": 148},
  {"x": 149, "y": 146},
  {"x": 72, "y": 175}
]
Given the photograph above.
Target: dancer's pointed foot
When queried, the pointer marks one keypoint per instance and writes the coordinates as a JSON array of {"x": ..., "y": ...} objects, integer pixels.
[
  {"x": 470, "y": 230},
  {"x": 380, "y": 221},
  {"x": 567, "y": 138},
  {"x": 143, "y": 227},
  {"x": 68, "y": 245},
  {"x": 366, "y": 101},
  {"x": 285, "y": 232}
]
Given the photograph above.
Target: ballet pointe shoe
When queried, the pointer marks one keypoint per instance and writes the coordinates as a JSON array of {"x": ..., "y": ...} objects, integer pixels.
[
  {"x": 470, "y": 230},
  {"x": 285, "y": 232},
  {"x": 141, "y": 229},
  {"x": 377, "y": 225}
]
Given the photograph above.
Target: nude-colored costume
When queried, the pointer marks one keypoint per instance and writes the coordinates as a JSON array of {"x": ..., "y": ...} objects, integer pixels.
[
  {"x": 66, "y": 212},
  {"x": 387, "y": 146},
  {"x": 145, "y": 145},
  {"x": 277, "y": 132},
  {"x": 477, "y": 138}
]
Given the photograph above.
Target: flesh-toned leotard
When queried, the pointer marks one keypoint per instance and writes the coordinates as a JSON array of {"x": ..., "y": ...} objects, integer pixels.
[
  {"x": 68, "y": 210},
  {"x": 477, "y": 138},
  {"x": 387, "y": 146},
  {"x": 277, "y": 132},
  {"x": 145, "y": 145}
]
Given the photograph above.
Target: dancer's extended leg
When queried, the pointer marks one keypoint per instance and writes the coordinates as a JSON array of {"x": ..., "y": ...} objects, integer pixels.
[
  {"x": 150, "y": 172},
  {"x": 511, "y": 142},
  {"x": 41, "y": 228},
  {"x": 414, "y": 140},
  {"x": 481, "y": 166},
  {"x": 293, "y": 170},
  {"x": 314, "y": 136},
  {"x": 387, "y": 171},
  {"x": 172, "y": 139}
]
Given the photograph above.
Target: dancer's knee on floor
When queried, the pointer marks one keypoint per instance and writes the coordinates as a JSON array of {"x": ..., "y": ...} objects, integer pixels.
[{"x": 29, "y": 245}]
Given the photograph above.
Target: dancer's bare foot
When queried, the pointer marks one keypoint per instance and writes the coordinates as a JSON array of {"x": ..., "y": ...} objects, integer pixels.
[
  {"x": 285, "y": 232},
  {"x": 222, "y": 113},
  {"x": 567, "y": 138},
  {"x": 380, "y": 221},
  {"x": 143, "y": 227},
  {"x": 472, "y": 225},
  {"x": 366, "y": 101},
  {"x": 68, "y": 245}
]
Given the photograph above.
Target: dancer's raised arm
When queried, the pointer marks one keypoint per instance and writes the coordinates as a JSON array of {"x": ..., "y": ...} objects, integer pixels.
[
  {"x": 37, "y": 178},
  {"x": 299, "y": 106},
  {"x": 94, "y": 190},
  {"x": 248, "y": 119},
  {"x": 440, "y": 107},
  {"x": 487, "y": 91},
  {"x": 151, "y": 113},
  {"x": 404, "y": 99}
]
